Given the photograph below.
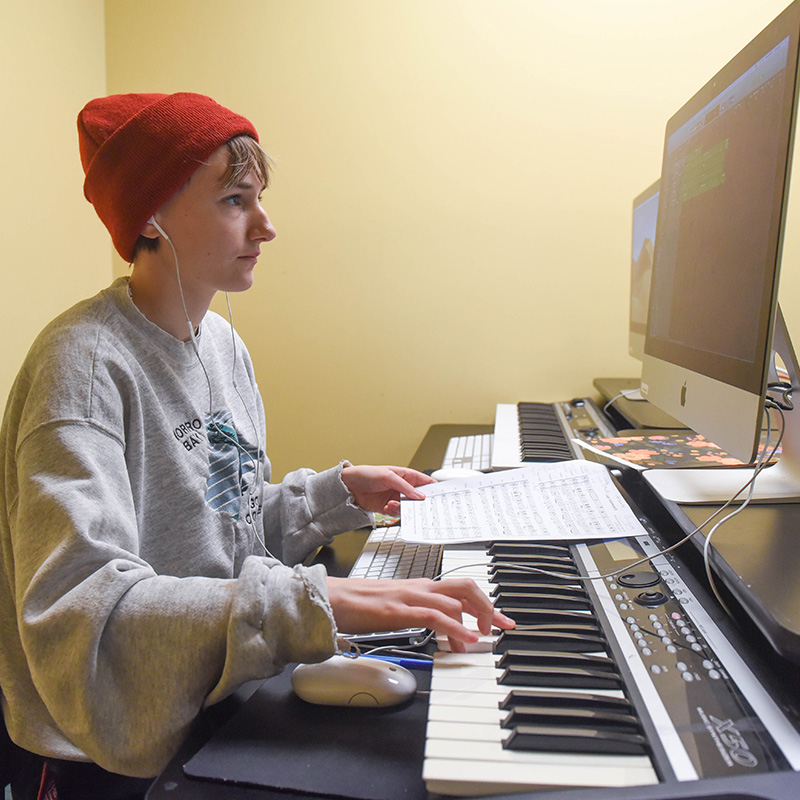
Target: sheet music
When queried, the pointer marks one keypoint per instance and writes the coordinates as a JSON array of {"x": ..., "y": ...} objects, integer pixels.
[{"x": 567, "y": 500}]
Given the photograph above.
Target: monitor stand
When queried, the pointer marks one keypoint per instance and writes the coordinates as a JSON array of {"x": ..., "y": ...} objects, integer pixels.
[{"x": 779, "y": 482}]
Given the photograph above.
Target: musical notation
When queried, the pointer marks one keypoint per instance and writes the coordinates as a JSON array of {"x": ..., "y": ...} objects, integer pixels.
[{"x": 568, "y": 500}]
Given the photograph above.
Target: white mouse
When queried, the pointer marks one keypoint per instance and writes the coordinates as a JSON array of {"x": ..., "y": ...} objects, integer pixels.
[
  {"x": 450, "y": 473},
  {"x": 345, "y": 681}
]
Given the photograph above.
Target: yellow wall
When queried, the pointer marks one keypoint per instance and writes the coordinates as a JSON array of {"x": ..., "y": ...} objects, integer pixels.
[
  {"x": 452, "y": 196},
  {"x": 52, "y": 60}
]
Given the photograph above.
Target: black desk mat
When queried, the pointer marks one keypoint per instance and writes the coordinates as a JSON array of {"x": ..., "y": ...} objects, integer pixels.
[{"x": 277, "y": 741}]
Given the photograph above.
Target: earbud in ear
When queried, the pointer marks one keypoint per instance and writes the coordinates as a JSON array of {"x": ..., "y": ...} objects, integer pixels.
[{"x": 153, "y": 222}]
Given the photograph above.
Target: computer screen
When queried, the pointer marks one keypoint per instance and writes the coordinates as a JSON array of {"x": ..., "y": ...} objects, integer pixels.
[
  {"x": 713, "y": 298},
  {"x": 643, "y": 237}
]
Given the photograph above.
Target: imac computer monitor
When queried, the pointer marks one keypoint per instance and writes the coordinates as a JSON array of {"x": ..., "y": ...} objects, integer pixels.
[
  {"x": 713, "y": 298},
  {"x": 645, "y": 213}
]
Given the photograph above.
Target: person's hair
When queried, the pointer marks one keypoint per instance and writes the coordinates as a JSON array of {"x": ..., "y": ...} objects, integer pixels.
[{"x": 245, "y": 155}]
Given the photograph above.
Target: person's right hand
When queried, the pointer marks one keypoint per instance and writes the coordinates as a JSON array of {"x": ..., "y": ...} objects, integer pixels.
[{"x": 362, "y": 605}]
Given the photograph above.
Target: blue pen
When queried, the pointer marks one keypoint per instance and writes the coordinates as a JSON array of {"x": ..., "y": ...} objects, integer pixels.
[{"x": 409, "y": 663}]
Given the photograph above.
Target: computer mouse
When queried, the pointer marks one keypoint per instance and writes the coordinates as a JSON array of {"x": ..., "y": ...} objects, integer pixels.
[
  {"x": 451, "y": 473},
  {"x": 346, "y": 681}
]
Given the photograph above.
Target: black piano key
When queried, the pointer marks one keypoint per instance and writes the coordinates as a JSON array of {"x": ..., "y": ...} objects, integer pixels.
[
  {"x": 536, "y": 616},
  {"x": 524, "y": 637},
  {"x": 530, "y": 616},
  {"x": 549, "y": 640},
  {"x": 523, "y": 590},
  {"x": 524, "y": 571},
  {"x": 532, "y": 588},
  {"x": 533, "y": 558},
  {"x": 525, "y": 698},
  {"x": 532, "y": 658},
  {"x": 542, "y": 456},
  {"x": 552, "y": 739},
  {"x": 578, "y": 717},
  {"x": 509, "y": 574},
  {"x": 531, "y": 600},
  {"x": 563, "y": 562},
  {"x": 528, "y": 548},
  {"x": 546, "y": 440},
  {"x": 559, "y": 677}
]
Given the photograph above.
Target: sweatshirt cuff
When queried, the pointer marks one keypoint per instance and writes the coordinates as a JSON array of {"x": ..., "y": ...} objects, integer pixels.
[
  {"x": 280, "y": 615},
  {"x": 331, "y": 504}
]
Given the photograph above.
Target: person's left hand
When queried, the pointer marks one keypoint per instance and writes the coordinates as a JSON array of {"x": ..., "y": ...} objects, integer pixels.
[{"x": 380, "y": 488}]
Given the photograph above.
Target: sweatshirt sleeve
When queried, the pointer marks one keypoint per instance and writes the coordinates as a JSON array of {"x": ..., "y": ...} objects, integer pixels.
[
  {"x": 306, "y": 510},
  {"x": 112, "y": 656}
]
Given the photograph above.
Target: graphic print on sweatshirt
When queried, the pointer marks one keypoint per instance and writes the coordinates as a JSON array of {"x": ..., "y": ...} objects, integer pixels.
[{"x": 231, "y": 462}]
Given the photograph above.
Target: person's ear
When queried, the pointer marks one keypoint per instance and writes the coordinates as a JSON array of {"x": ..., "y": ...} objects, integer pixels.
[{"x": 151, "y": 229}]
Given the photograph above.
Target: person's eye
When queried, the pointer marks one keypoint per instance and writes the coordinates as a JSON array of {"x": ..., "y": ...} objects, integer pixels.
[{"x": 233, "y": 200}]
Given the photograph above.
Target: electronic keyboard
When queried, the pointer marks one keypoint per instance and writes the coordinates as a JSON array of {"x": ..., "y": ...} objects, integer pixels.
[{"x": 615, "y": 682}]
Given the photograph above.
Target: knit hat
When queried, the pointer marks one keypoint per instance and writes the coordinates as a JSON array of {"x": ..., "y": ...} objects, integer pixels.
[{"x": 137, "y": 150}]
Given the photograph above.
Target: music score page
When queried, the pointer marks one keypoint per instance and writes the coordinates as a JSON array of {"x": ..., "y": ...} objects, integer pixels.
[{"x": 567, "y": 500}]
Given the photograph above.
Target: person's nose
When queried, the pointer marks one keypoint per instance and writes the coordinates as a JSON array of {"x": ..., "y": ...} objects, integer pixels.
[{"x": 263, "y": 229}]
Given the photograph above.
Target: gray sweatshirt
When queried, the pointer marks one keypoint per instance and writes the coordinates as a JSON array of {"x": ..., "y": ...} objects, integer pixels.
[{"x": 135, "y": 507}]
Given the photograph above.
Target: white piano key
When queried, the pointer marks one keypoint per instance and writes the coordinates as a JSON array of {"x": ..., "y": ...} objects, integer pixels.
[
  {"x": 487, "y": 714},
  {"x": 469, "y": 774},
  {"x": 467, "y": 700},
  {"x": 483, "y": 645},
  {"x": 485, "y": 732},
  {"x": 452, "y": 697}
]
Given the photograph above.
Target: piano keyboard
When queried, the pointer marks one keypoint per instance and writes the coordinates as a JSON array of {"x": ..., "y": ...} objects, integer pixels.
[
  {"x": 527, "y": 433},
  {"x": 609, "y": 683}
]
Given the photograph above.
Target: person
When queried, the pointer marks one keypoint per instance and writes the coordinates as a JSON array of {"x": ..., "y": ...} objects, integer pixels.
[{"x": 149, "y": 567}]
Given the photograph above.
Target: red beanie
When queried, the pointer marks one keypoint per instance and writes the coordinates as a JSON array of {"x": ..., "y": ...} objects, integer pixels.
[{"x": 137, "y": 150}]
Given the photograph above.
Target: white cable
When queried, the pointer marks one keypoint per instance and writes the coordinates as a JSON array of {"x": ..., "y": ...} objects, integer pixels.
[
  {"x": 257, "y": 477},
  {"x": 612, "y": 401},
  {"x": 761, "y": 462}
]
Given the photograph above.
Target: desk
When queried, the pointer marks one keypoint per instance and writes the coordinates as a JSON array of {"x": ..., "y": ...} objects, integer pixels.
[{"x": 173, "y": 784}]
